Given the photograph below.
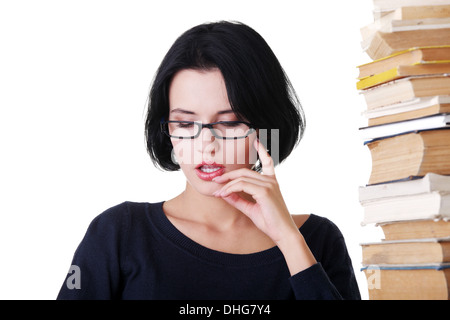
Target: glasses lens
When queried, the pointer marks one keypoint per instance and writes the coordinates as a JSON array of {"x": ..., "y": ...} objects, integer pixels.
[
  {"x": 224, "y": 130},
  {"x": 232, "y": 130},
  {"x": 182, "y": 129}
]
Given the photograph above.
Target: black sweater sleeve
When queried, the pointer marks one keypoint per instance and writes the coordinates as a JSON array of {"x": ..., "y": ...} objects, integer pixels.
[
  {"x": 333, "y": 276},
  {"x": 97, "y": 259}
]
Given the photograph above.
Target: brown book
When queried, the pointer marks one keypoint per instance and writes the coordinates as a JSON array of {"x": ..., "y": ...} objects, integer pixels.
[
  {"x": 410, "y": 154},
  {"x": 434, "y": 109},
  {"x": 411, "y": 251},
  {"x": 408, "y": 57},
  {"x": 408, "y": 282},
  {"x": 386, "y": 25},
  {"x": 405, "y": 13},
  {"x": 406, "y": 89},
  {"x": 384, "y": 44},
  {"x": 419, "y": 229},
  {"x": 422, "y": 12}
]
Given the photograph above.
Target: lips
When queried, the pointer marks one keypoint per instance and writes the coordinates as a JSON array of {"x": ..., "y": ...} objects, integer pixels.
[{"x": 208, "y": 171}]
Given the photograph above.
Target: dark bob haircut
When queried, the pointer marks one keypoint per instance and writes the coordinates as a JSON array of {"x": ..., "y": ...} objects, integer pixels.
[{"x": 258, "y": 89}]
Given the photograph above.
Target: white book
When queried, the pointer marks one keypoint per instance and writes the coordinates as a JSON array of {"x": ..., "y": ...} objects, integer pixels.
[
  {"x": 406, "y": 106},
  {"x": 408, "y": 266},
  {"x": 438, "y": 121},
  {"x": 424, "y": 206},
  {"x": 390, "y": 5},
  {"x": 429, "y": 183},
  {"x": 416, "y": 24}
]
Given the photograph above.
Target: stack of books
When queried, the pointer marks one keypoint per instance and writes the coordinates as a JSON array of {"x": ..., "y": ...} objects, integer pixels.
[{"x": 407, "y": 91}]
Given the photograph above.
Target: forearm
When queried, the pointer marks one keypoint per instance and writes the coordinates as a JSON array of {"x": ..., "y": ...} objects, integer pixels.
[{"x": 296, "y": 252}]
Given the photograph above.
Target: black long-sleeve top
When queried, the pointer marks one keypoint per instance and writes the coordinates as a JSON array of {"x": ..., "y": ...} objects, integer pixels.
[{"x": 132, "y": 251}]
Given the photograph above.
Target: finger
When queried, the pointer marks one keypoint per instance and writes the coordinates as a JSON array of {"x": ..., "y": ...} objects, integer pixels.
[
  {"x": 265, "y": 158},
  {"x": 239, "y": 203},
  {"x": 243, "y": 172},
  {"x": 255, "y": 190},
  {"x": 257, "y": 182}
]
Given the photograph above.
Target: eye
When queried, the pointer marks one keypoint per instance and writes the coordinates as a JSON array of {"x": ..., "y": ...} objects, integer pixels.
[
  {"x": 231, "y": 124},
  {"x": 186, "y": 124}
]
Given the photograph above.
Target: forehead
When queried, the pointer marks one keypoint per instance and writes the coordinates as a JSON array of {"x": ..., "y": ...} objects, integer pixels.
[{"x": 198, "y": 92}]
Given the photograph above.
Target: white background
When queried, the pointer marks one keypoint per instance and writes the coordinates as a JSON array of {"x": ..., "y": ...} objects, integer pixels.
[{"x": 74, "y": 80}]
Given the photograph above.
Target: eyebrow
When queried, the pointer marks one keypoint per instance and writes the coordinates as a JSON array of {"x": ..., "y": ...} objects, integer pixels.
[{"x": 183, "y": 111}]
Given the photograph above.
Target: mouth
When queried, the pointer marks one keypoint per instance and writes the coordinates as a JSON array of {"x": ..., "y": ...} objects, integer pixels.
[{"x": 208, "y": 172}]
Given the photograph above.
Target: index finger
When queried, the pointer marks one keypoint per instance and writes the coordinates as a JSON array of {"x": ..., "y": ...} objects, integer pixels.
[{"x": 265, "y": 158}]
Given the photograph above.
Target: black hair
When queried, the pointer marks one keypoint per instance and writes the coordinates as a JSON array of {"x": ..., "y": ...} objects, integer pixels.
[{"x": 258, "y": 89}]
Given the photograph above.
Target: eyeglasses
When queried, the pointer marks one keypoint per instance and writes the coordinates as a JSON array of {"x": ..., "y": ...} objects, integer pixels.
[{"x": 221, "y": 130}]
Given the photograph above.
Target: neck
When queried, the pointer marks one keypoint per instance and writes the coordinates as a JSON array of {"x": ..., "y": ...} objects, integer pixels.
[{"x": 208, "y": 209}]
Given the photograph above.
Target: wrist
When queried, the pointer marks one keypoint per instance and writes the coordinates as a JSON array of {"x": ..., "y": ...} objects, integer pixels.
[{"x": 296, "y": 252}]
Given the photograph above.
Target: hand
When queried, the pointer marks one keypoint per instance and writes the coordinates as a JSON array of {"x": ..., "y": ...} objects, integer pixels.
[{"x": 268, "y": 211}]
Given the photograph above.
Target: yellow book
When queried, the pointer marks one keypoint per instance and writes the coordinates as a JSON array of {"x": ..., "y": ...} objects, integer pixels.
[{"x": 432, "y": 68}]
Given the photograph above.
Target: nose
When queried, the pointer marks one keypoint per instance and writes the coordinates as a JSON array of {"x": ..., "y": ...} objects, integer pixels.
[{"x": 206, "y": 143}]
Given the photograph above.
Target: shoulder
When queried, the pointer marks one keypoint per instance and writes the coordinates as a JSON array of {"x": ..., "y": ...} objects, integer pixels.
[
  {"x": 323, "y": 237},
  {"x": 312, "y": 226},
  {"x": 300, "y": 219},
  {"x": 319, "y": 226},
  {"x": 112, "y": 217},
  {"x": 120, "y": 218},
  {"x": 113, "y": 229},
  {"x": 124, "y": 210}
]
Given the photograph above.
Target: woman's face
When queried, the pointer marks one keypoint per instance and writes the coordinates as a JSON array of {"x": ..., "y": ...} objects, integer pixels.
[{"x": 201, "y": 96}]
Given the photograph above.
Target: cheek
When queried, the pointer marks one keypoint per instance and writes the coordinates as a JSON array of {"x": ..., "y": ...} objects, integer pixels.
[
  {"x": 182, "y": 152},
  {"x": 240, "y": 151}
]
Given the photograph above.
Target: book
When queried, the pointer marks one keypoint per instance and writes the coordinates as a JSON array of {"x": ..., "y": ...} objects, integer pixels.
[
  {"x": 429, "y": 183},
  {"x": 390, "y": 5},
  {"x": 411, "y": 251},
  {"x": 411, "y": 12},
  {"x": 410, "y": 154},
  {"x": 406, "y": 89},
  {"x": 389, "y": 26},
  {"x": 407, "y": 93},
  {"x": 425, "y": 206},
  {"x": 436, "y": 121},
  {"x": 419, "y": 229},
  {"x": 405, "y": 13},
  {"x": 411, "y": 109},
  {"x": 383, "y": 44},
  {"x": 411, "y": 56},
  {"x": 408, "y": 282},
  {"x": 399, "y": 72}
]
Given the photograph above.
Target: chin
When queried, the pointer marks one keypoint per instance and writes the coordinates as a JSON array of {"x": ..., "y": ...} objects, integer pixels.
[{"x": 206, "y": 188}]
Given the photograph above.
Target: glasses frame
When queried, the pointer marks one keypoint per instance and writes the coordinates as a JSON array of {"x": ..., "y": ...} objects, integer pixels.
[{"x": 165, "y": 129}]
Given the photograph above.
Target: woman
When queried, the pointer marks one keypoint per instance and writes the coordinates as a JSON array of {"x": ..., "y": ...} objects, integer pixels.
[{"x": 229, "y": 235}]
